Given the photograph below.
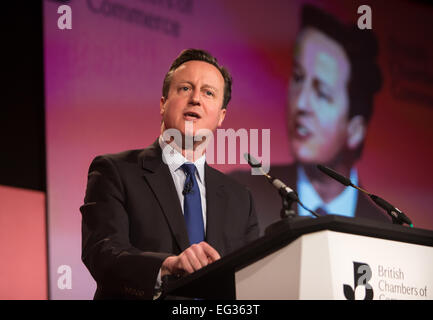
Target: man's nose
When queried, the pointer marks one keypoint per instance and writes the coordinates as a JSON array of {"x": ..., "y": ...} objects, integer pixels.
[
  {"x": 303, "y": 99},
  {"x": 195, "y": 98}
]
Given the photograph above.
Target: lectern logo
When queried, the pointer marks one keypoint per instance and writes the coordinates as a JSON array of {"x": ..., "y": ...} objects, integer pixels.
[{"x": 362, "y": 274}]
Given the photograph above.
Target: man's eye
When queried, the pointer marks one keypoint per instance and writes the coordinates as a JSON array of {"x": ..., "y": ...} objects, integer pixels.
[
  {"x": 323, "y": 95},
  {"x": 183, "y": 88},
  {"x": 209, "y": 93},
  {"x": 322, "y": 92}
]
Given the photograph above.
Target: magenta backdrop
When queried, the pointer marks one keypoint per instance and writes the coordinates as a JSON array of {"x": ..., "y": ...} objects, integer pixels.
[{"x": 103, "y": 83}]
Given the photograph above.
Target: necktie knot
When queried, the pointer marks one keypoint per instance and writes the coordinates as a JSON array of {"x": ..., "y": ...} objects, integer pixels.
[
  {"x": 189, "y": 169},
  {"x": 321, "y": 211}
]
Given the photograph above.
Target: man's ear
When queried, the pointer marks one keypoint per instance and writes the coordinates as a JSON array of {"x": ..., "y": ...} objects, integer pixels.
[
  {"x": 222, "y": 116},
  {"x": 162, "y": 106},
  {"x": 356, "y": 132}
]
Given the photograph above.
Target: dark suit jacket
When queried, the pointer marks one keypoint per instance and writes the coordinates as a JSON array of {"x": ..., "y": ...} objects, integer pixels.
[
  {"x": 268, "y": 202},
  {"x": 132, "y": 220}
]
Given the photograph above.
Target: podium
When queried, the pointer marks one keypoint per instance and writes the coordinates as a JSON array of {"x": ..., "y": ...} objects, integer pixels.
[{"x": 331, "y": 257}]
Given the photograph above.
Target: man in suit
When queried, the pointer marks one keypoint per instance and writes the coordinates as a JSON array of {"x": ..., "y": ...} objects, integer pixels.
[
  {"x": 162, "y": 210},
  {"x": 334, "y": 79}
]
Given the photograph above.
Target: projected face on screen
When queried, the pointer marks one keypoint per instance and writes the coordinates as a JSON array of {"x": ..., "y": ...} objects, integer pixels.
[{"x": 319, "y": 123}]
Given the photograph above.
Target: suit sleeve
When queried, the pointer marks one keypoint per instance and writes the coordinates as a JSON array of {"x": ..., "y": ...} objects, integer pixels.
[{"x": 118, "y": 268}]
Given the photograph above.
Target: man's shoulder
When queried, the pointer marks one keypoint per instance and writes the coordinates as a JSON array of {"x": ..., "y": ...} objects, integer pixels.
[
  {"x": 128, "y": 160},
  {"x": 224, "y": 179},
  {"x": 284, "y": 172},
  {"x": 367, "y": 209},
  {"x": 279, "y": 169}
]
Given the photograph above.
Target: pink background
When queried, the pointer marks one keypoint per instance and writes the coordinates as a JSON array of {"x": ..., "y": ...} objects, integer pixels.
[
  {"x": 23, "y": 271},
  {"x": 103, "y": 83}
]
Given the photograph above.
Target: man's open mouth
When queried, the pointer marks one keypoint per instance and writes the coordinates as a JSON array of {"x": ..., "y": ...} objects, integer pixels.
[
  {"x": 190, "y": 115},
  {"x": 301, "y": 131}
]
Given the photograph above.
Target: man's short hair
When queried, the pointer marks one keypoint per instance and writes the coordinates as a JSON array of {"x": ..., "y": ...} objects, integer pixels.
[
  {"x": 361, "y": 48},
  {"x": 199, "y": 55}
]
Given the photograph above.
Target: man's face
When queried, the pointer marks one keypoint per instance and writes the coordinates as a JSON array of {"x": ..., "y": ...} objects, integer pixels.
[
  {"x": 195, "y": 96},
  {"x": 318, "y": 99}
]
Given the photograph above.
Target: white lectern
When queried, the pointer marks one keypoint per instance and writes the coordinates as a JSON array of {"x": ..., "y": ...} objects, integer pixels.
[{"x": 331, "y": 257}]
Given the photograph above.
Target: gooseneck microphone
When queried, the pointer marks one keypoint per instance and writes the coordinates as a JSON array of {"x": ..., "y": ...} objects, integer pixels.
[
  {"x": 335, "y": 175},
  {"x": 396, "y": 214},
  {"x": 284, "y": 191}
]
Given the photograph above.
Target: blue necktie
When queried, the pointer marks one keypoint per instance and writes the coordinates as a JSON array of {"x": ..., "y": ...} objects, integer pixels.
[{"x": 192, "y": 205}]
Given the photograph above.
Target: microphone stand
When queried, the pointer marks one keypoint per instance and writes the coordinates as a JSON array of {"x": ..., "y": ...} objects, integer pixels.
[
  {"x": 287, "y": 214},
  {"x": 288, "y": 196},
  {"x": 286, "y": 211}
]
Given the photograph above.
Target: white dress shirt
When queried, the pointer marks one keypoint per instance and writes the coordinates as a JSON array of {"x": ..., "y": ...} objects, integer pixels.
[
  {"x": 174, "y": 160},
  {"x": 344, "y": 204}
]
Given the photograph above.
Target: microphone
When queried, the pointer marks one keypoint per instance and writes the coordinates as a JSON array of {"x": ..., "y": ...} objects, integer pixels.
[
  {"x": 395, "y": 213},
  {"x": 335, "y": 175},
  {"x": 283, "y": 190}
]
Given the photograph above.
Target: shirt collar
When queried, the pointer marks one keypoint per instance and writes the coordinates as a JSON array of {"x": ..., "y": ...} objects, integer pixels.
[
  {"x": 343, "y": 204},
  {"x": 174, "y": 159}
]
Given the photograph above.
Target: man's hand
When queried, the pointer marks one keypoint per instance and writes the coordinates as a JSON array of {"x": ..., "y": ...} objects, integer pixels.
[{"x": 192, "y": 259}]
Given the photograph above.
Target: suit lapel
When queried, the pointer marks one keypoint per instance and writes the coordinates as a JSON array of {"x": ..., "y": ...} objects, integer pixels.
[
  {"x": 216, "y": 207},
  {"x": 157, "y": 175}
]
